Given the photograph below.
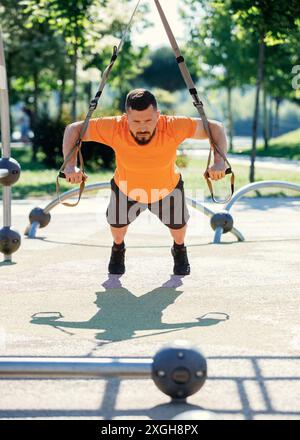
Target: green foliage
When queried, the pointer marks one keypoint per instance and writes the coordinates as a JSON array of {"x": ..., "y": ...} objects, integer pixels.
[
  {"x": 166, "y": 100},
  {"x": 225, "y": 35},
  {"x": 182, "y": 160},
  {"x": 98, "y": 156},
  {"x": 293, "y": 137},
  {"x": 130, "y": 63},
  {"x": 48, "y": 136},
  {"x": 68, "y": 17},
  {"x": 287, "y": 145},
  {"x": 267, "y": 18},
  {"x": 163, "y": 70},
  {"x": 83, "y": 25},
  {"x": 226, "y": 57},
  {"x": 47, "y": 40},
  {"x": 48, "y": 140},
  {"x": 41, "y": 181}
]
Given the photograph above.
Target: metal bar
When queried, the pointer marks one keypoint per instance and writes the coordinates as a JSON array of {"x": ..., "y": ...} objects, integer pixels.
[
  {"x": 5, "y": 132},
  {"x": 253, "y": 187},
  {"x": 45, "y": 368},
  {"x": 73, "y": 193},
  {"x": 218, "y": 235},
  {"x": 31, "y": 230},
  {"x": 200, "y": 207},
  {"x": 7, "y": 206},
  {"x": 5, "y": 125},
  {"x": 5, "y": 137},
  {"x": 182, "y": 66},
  {"x": 260, "y": 185}
]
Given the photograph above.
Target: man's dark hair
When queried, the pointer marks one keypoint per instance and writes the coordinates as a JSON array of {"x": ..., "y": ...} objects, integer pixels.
[{"x": 140, "y": 99}]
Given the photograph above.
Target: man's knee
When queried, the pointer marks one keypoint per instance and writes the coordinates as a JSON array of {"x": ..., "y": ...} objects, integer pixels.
[
  {"x": 178, "y": 229},
  {"x": 119, "y": 233}
]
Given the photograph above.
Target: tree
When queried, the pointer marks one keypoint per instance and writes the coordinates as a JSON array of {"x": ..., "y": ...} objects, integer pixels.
[
  {"x": 224, "y": 59},
  {"x": 129, "y": 65},
  {"x": 239, "y": 36},
  {"x": 163, "y": 72},
  {"x": 268, "y": 23},
  {"x": 35, "y": 57},
  {"x": 84, "y": 25},
  {"x": 279, "y": 64},
  {"x": 132, "y": 59},
  {"x": 71, "y": 19}
]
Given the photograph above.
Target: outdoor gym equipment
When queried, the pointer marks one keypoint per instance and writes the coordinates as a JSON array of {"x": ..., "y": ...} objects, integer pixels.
[
  {"x": 40, "y": 218},
  {"x": 11, "y": 171},
  {"x": 178, "y": 370},
  {"x": 222, "y": 222},
  {"x": 10, "y": 240}
]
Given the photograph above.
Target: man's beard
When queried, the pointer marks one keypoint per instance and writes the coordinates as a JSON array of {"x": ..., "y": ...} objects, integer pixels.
[{"x": 143, "y": 141}]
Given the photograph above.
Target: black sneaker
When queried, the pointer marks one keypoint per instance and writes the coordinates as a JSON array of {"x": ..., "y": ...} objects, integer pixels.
[
  {"x": 117, "y": 261},
  {"x": 181, "y": 262}
]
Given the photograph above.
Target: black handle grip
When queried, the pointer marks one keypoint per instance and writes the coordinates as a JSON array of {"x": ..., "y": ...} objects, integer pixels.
[
  {"x": 228, "y": 171},
  {"x": 62, "y": 175}
]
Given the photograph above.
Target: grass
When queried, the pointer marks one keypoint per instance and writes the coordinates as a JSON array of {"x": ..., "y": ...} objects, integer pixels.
[
  {"x": 193, "y": 179},
  {"x": 286, "y": 146},
  {"x": 38, "y": 181},
  {"x": 43, "y": 183}
]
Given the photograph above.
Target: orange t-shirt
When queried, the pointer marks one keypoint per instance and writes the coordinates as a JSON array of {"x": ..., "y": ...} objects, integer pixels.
[{"x": 144, "y": 173}]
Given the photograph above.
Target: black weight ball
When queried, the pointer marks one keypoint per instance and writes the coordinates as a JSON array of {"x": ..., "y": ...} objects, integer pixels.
[
  {"x": 179, "y": 370},
  {"x": 10, "y": 241},
  {"x": 14, "y": 171},
  {"x": 38, "y": 215},
  {"x": 222, "y": 220}
]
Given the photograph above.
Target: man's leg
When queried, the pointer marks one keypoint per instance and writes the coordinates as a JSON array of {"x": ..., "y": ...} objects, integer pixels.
[
  {"x": 173, "y": 212},
  {"x": 117, "y": 219},
  {"x": 179, "y": 252},
  {"x": 178, "y": 227},
  {"x": 117, "y": 259},
  {"x": 179, "y": 235},
  {"x": 119, "y": 234},
  {"x": 120, "y": 214}
]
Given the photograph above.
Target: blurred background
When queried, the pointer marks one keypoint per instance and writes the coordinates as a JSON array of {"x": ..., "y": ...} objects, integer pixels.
[{"x": 243, "y": 56}]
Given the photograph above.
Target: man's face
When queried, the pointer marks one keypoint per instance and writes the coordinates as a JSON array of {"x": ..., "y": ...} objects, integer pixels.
[{"x": 142, "y": 124}]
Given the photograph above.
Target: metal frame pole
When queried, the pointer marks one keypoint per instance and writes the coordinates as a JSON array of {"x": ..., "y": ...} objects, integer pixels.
[
  {"x": 31, "y": 230},
  {"x": 200, "y": 207},
  {"x": 45, "y": 368},
  {"x": 5, "y": 136},
  {"x": 253, "y": 187},
  {"x": 260, "y": 185}
]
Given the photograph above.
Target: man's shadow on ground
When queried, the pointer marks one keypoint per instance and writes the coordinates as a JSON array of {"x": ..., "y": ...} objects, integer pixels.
[{"x": 121, "y": 314}]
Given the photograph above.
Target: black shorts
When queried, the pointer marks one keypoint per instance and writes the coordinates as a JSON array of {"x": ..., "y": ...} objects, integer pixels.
[{"x": 171, "y": 210}]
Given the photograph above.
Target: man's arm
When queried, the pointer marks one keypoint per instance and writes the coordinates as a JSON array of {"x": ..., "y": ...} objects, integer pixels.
[
  {"x": 71, "y": 135},
  {"x": 72, "y": 132},
  {"x": 217, "y": 171},
  {"x": 99, "y": 130}
]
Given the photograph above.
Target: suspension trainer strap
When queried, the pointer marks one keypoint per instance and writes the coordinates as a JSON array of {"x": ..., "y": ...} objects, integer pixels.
[
  {"x": 93, "y": 105},
  {"x": 198, "y": 104}
]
